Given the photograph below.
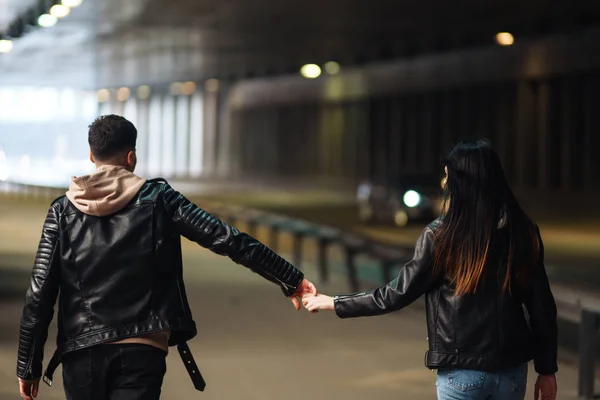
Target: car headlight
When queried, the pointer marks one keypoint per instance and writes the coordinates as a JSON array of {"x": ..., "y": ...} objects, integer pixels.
[
  {"x": 363, "y": 192},
  {"x": 412, "y": 198}
]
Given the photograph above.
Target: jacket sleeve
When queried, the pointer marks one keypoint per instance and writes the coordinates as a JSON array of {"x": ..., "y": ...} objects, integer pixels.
[
  {"x": 40, "y": 299},
  {"x": 413, "y": 280},
  {"x": 213, "y": 234},
  {"x": 541, "y": 308}
]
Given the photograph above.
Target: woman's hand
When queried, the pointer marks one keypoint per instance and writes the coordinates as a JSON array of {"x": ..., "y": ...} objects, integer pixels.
[
  {"x": 545, "y": 387},
  {"x": 317, "y": 303}
]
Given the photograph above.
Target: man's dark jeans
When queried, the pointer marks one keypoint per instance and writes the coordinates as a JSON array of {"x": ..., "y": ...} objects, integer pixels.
[{"x": 114, "y": 372}]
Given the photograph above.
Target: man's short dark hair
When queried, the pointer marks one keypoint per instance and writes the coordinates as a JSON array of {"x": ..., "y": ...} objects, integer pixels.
[{"x": 110, "y": 134}]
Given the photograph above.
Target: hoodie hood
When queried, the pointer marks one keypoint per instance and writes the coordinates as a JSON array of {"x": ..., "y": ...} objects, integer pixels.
[{"x": 107, "y": 191}]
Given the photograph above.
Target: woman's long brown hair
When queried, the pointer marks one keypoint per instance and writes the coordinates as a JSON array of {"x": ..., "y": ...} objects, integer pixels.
[{"x": 479, "y": 202}]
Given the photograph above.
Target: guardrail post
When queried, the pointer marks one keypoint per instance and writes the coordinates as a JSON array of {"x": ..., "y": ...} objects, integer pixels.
[
  {"x": 588, "y": 330},
  {"x": 323, "y": 260},
  {"x": 274, "y": 238},
  {"x": 297, "y": 249},
  {"x": 352, "y": 272}
]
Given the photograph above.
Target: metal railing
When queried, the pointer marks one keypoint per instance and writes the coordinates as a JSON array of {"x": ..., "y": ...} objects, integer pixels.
[{"x": 574, "y": 305}]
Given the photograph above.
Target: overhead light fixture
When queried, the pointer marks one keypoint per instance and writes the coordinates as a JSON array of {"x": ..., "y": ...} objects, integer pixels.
[
  {"x": 103, "y": 95},
  {"x": 176, "y": 88},
  {"x": 310, "y": 71},
  {"x": 332, "y": 68},
  {"x": 6, "y": 46},
  {"x": 143, "y": 92},
  {"x": 123, "y": 94},
  {"x": 505, "y": 39},
  {"x": 60, "y": 10},
  {"x": 211, "y": 85},
  {"x": 188, "y": 88},
  {"x": 47, "y": 20},
  {"x": 71, "y": 3}
]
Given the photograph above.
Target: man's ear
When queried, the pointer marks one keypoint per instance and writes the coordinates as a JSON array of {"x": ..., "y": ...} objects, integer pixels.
[
  {"x": 92, "y": 158},
  {"x": 131, "y": 159}
]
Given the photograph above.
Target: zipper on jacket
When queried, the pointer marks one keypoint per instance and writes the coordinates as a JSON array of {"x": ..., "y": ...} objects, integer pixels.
[
  {"x": 28, "y": 369},
  {"x": 283, "y": 284}
]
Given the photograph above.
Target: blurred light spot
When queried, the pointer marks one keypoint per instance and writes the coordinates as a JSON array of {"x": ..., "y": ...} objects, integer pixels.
[
  {"x": 59, "y": 11},
  {"x": 412, "y": 198},
  {"x": 143, "y": 92},
  {"x": 6, "y": 46},
  {"x": 47, "y": 20},
  {"x": 332, "y": 68},
  {"x": 103, "y": 95},
  {"x": 189, "y": 88},
  {"x": 505, "y": 39},
  {"x": 212, "y": 85},
  {"x": 72, "y": 3},
  {"x": 176, "y": 88},
  {"x": 123, "y": 94},
  {"x": 310, "y": 71}
]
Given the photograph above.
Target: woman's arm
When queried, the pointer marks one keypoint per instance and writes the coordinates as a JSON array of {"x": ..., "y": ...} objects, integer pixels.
[{"x": 414, "y": 279}]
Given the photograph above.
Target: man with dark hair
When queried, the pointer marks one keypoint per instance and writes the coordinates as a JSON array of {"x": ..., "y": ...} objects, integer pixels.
[{"x": 111, "y": 251}]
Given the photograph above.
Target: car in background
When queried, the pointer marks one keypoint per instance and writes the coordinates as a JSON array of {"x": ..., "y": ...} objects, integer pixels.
[{"x": 410, "y": 198}]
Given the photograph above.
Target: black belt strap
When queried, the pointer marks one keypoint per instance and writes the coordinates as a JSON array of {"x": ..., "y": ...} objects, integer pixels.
[
  {"x": 52, "y": 365},
  {"x": 184, "y": 352},
  {"x": 190, "y": 365}
]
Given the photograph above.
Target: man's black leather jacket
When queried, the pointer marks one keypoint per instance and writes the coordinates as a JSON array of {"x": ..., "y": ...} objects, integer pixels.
[
  {"x": 487, "y": 330},
  {"x": 121, "y": 276}
]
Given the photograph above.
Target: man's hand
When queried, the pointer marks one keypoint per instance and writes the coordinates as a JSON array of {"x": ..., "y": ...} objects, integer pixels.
[
  {"x": 29, "y": 389},
  {"x": 546, "y": 387},
  {"x": 305, "y": 287}
]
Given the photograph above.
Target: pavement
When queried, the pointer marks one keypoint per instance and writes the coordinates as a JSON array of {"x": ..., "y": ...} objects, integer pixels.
[{"x": 251, "y": 343}]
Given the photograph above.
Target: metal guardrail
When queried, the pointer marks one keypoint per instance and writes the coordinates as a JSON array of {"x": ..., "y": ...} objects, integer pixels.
[{"x": 574, "y": 305}]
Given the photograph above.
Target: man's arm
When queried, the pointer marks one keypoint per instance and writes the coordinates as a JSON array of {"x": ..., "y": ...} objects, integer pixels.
[
  {"x": 40, "y": 299},
  {"x": 541, "y": 308},
  {"x": 209, "y": 232},
  {"x": 413, "y": 280}
]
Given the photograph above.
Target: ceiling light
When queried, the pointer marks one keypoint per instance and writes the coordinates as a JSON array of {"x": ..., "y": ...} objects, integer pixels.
[
  {"x": 47, "y": 20},
  {"x": 123, "y": 94},
  {"x": 310, "y": 71},
  {"x": 211, "y": 85},
  {"x": 103, "y": 95},
  {"x": 6, "y": 46},
  {"x": 332, "y": 68},
  {"x": 176, "y": 88},
  {"x": 188, "y": 88},
  {"x": 71, "y": 3},
  {"x": 505, "y": 39},
  {"x": 59, "y": 11},
  {"x": 143, "y": 92}
]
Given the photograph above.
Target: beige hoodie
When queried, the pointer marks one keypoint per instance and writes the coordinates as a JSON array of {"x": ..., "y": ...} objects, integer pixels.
[{"x": 105, "y": 192}]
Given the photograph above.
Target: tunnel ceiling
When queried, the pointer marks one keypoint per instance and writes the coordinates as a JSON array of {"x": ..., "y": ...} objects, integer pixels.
[{"x": 109, "y": 43}]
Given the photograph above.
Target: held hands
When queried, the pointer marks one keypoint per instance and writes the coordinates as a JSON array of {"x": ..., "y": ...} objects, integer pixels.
[
  {"x": 316, "y": 303},
  {"x": 306, "y": 288}
]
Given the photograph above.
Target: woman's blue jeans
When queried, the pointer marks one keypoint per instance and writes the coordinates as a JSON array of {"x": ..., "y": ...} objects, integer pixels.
[{"x": 462, "y": 384}]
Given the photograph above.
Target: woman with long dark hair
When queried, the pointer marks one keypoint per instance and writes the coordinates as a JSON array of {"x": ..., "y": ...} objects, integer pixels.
[{"x": 481, "y": 268}]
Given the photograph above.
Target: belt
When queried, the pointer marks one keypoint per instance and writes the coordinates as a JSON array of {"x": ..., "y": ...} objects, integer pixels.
[{"x": 184, "y": 353}]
